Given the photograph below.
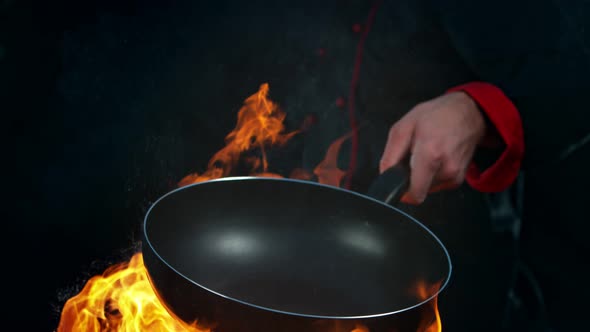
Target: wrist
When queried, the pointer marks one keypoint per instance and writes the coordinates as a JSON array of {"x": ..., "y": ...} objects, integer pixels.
[
  {"x": 479, "y": 120},
  {"x": 488, "y": 134},
  {"x": 504, "y": 119}
]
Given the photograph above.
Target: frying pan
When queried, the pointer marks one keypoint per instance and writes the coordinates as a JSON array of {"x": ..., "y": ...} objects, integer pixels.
[{"x": 268, "y": 254}]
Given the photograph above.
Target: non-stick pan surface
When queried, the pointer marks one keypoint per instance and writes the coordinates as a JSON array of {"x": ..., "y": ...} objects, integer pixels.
[{"x": 291, "y": 247}]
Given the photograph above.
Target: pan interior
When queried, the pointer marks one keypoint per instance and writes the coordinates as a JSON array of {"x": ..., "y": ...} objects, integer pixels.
[{"x": 296, "y": 247}]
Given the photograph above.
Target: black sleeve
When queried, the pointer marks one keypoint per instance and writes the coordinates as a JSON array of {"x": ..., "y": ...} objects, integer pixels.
[{"x": 536, "y": 53}]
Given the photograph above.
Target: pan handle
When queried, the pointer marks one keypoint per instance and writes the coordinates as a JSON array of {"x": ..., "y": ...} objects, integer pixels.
[{"x": 391, "y": 184}]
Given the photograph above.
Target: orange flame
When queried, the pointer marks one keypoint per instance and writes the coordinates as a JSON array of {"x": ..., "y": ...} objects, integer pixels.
[
  {"x": 431, "y": 321},
  {"x": 327, "y": 170},
  {"x": 122, "y": 299},
  {"x": 360, "y": 328},
  {"x": 339, "y": 326},
  {"x": 260, "y": 123}
]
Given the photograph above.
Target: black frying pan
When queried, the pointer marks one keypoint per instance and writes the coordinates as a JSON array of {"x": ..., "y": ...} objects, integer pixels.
[{"x": 263, "y": 254}]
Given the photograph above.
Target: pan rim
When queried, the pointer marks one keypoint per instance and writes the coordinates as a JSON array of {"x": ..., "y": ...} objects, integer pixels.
[{"x": 283, "y": 312}]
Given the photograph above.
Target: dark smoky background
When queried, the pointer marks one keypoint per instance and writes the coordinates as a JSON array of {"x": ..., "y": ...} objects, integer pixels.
[{"x": 107, "y": 104}]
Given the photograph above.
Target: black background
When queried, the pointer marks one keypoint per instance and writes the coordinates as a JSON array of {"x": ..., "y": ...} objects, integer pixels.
[{"x": 107, "y": 104}]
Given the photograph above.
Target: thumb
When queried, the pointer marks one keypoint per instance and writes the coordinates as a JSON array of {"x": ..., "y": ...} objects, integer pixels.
[{"x": 398, "y": 144}]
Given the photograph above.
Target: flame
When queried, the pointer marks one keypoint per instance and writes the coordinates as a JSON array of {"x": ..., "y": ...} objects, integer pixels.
[
  {"x": 301, "y": 174},
  {"x": 121, "y": 299},
  {"x": 360, "y": 328},
  {"x": 431, "y": 321},
  {"x": 339, "y": 326},
  {"x": 327, "y": 170},
  {"x": 260, "y": 123}
]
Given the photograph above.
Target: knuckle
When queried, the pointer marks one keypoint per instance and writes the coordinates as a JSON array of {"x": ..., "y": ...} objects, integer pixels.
[
  {"x": 421, "y": 106},
  {"x": 432, "y": 154},
  {"x": 451, "y": 171},
  {"x": 433, "y": 164}
]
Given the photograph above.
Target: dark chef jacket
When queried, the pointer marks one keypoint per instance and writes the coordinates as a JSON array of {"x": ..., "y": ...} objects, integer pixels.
[{"x": 527, "y": 65}]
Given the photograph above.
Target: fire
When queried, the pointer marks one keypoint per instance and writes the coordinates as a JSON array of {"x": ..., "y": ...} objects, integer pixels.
[
  {"x": 327, "y": 170},
  {"x": 424, "y": 292},
  {"x": 122, "y": 298},
  {"x": 360, "y": 328},
  {"x": 260, "y": 123}
]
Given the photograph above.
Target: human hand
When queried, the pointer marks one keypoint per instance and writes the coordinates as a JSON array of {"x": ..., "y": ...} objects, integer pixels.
[{"x": 441, "y": 134}]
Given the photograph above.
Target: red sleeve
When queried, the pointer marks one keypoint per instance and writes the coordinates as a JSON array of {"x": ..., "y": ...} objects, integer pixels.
[{"x": 505, "y": 117}]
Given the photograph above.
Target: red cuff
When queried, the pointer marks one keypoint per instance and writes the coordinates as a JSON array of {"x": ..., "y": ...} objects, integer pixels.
[{"x": 505, "y": 117}]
